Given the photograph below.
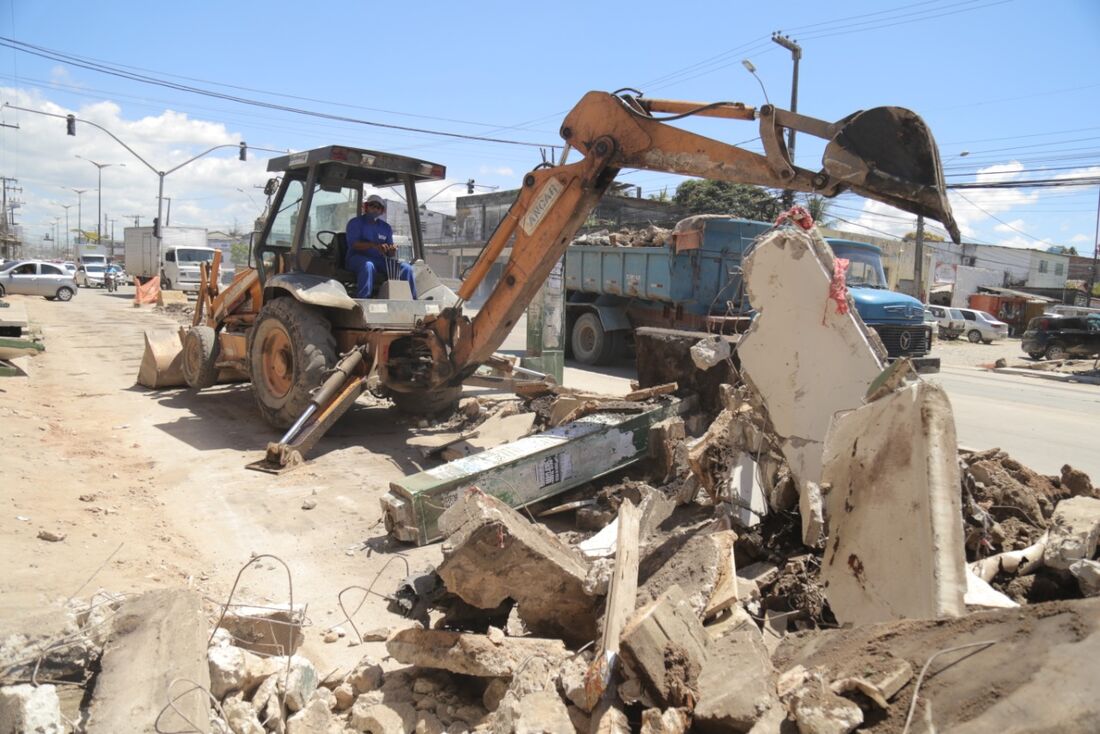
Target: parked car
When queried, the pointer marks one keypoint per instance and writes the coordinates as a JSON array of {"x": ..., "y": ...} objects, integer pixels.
[
  {"x": 69, "y": 267},
  {"x": 1059, "y": 337},
  {"x": 950, "y": 322},
  {"x": 981, "y": 326},
  {"x": 38, "y": 278},
  {"x": 90, "y": 276}
]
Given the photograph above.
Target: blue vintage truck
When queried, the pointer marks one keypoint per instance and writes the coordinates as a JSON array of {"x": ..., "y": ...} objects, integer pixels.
[{"x": 695, "y": 284}]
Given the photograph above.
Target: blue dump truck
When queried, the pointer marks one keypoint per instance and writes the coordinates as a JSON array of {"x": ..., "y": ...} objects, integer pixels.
[{"x": 695, "y": 284}]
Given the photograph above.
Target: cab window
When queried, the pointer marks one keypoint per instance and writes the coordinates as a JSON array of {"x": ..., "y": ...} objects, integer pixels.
[
  {"x": 27, "y": 269},
  {"x": 50, "y": 270},
  {"x": 170, "y": 256}
]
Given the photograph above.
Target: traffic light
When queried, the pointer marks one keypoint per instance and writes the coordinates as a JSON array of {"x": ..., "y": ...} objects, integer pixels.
[
  {"x": 156, "y": 227},
  {"x": 470, "y": 186},
  {"x": 244, "y": 152},
  {"x": 70, "y": 124}
]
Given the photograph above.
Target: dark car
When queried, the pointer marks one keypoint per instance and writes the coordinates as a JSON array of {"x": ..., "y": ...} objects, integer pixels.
[{"x": 1059, "y": 337}]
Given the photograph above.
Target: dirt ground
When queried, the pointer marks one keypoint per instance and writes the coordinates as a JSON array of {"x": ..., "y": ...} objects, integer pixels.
[
  {"x": 961, "y": 353},
  {"x": 150, "y": 490}
]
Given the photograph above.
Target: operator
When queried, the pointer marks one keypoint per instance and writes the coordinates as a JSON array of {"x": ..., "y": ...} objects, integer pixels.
[{"x": 370, "y": 249}]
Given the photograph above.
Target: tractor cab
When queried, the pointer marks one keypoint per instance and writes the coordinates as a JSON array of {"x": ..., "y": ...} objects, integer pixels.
[{"x": 302, "y": 247}]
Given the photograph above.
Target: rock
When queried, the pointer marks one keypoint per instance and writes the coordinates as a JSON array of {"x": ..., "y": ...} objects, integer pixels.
[
  {"x": 664, "y": 646},
  {"x": 492, "y": 553},
  {"x": 234, "y": 669},
  {"x": 708, "y": 352},
  {"x": 737, "y": 684},
  {"x": 428, "y": 723},
  {"x": 380, "y": 634},
  {"x": 470, "y": 654},
  {"x": 365, "y": 676},
  {"x": 51, "y": 536},
  {"x": 541, "y": 712},
  {"x": 26, "y": 708},
  {"x": 493, "y": 694},
  {"x": 700, "y": 561},
  {"x": 240, "y": 718},
  {"x": 308, "y": 504},
  {"x": 1074, "y": 530},
  {"x": 1087, "y": 574},
  {"x": 670, "y": 721},
  {"x": 380, "y": 718},
  {"x": 1077, "y": 482},
  {"x": 469, "y": 407},
  {"x": 323, "y": 694},
  {"x": 571, "y": 676},
  {"x": 301, "y": 682},
  {"x": 817, "y": 710},
  {"x": 345, "y": 696},
  {"x": 331, "y": 636},
  {"x": 221, "y": 638},
  {"x": 315, "y": 718}
]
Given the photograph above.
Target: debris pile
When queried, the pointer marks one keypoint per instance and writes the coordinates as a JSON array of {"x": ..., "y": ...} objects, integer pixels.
[{"x": 650, "y": 236}]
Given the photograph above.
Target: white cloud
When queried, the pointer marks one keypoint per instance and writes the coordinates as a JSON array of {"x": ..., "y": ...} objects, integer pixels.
[{"x": 1079, "y": 238}]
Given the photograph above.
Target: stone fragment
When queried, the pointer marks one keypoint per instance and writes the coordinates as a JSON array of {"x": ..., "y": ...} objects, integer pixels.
[
  {"x": 365, "y": 676},
  {"x": 315, "y": 718},
  {"x": 817, "y": 710},
  {"x": 323, "y": 694},
  {"x": 379, "y": 634},
  {"x": 221, "y": 638},
  {"x": 571, "y": 675},
  {"x": 381, "y": 718},
  {"x": 241, "y": 718},
  {"x": 234, "y": 669},
  {"x": 493, "y": 694},
  {"x": 469, "y": 407},
  {"x": 737, "y": 684},
  {"x": 806, "y": 360},
  {"x": 746, "y": 493},
  {"x": 895, "y": 547},
  {"x": 1077, "y": 482},
  {"x": 428, "y": 723},
  {"x": 700, "y": 561},
  {"x": 664, "y": 646},
  {"x": 493, "y": 553},
  {"x": 470, "y": 654},
  {"x": 1087, "y": 574},
  {"x": 301, "y": 682},
  {"x": 706, "y": 353},
  {"x": 163, "y": 631},
  {"x": 541, "y": 712},
  {"x": 1074, "y": 530},
  {"x": 50, "y": 536},
  {"x": 345, "y": 696},
  {"x": 811, "y": 509},
  {"x": 670, "y": 721},
  {"x": 26, "y": 708},
  {"x": 667, "y": 448}
]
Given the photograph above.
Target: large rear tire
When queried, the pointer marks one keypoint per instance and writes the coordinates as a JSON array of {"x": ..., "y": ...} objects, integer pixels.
[
  {"x": 290, "y": 350},
  {"x": 591, "y": 344},
  {"x": 200, "y": 357},
  {"x": 427, "y": 403}
]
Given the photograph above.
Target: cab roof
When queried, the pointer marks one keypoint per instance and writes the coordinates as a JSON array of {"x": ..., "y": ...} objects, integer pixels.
[{"x": 367, "y": 166}]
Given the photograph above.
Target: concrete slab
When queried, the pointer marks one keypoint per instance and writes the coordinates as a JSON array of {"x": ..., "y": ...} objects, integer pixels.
[
  {"x": 895, "y": 546},
  {"x": 1074, "y": 532},
  {"x": 805, "y": 359}
]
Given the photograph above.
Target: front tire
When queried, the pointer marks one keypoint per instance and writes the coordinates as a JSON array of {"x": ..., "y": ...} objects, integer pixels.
[
  {"x": 165, "y": 283},
  {"x": 1055, "y": 351},
  {"x": 974, "y": 336},
  {"x": 200, "y": 357},
  {"x": 64, "y": 294},
  {"x": 290, "y": 350}
]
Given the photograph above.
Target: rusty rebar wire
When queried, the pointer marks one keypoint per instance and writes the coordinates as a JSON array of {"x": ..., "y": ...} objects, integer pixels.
[
  {"x": 923, "y": 670},
  {"x": 367, "y": 591}
]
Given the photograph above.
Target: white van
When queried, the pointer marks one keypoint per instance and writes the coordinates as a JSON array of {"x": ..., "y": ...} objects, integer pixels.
[{"x": 180, "y": 269}]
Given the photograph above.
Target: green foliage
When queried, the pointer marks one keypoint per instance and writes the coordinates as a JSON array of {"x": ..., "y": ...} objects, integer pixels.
[
  {"x": 1062, "y": 250},
  {"x": 818, "y": 207},
  {"x": 661, "y": 196},
  {"x": 722, "y": 197},
  {"x": 928, "y": 236}
]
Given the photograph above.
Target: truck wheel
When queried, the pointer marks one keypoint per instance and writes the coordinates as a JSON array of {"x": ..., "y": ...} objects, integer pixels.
[
  {"x": 974, "y": 336},
  {"x": 165, "y": 284},
  {"x": 427, "y": 403},
  {"x": 290, "y": 350},
  {"x": 591, "y": 344},
  {"x": 1055, "y": 351},
  {"x": 200, "y": 357}
]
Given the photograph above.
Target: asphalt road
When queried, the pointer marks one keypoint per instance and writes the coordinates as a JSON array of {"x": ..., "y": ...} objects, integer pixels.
[{"x": 1041, "y": 423}]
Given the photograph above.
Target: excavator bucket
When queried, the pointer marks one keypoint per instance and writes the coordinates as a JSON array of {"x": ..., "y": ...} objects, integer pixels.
[
  {"x": 888, "y": 154},
  {"x": 162, "y": 362}
]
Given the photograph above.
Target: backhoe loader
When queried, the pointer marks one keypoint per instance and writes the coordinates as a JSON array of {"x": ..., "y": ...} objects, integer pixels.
[{"x": 286, "y": 321}]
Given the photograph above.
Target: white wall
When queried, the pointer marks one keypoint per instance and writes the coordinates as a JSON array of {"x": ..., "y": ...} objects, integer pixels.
[
  {"x": 1052, "y": 263},
  {"x": 968, "y": 279}
]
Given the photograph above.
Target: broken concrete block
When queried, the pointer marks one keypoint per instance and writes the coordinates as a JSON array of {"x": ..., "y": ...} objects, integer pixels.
[
  {"x": 711, "y": 457},
  {"x": 1074, "y": 530},
  {"x": 706, "y": 353},
  {"x": 745, "y": 492},
  {"x": 163, "y": 631},
  {"x": 732, "y": 620},
  {"x": 234, "y": 669},
  {"x": 540, "y": 712},
  {"x": 670, "y": 721},
  {"x": 493, "y": 553},
  {"x": 241, "y": 718},
  {"x": 806, "y": 360},
  {"x": 895, "y": 547},
  {"x": 315, "y": 718},
  {"x": 494, "y": 693},
  {"x": 470, "y": 654},
  {"x": 300, "y": 682},
  {"x": 664, "y": 355},
  {"x": 664, "y": 646},
  {"x": 381, "y": 718},
  {"x": 667, "y": 448},
  {"x": 1087, "y": 574},
  {"x": 365, "y": 676},
  {"x": 700, "y": 561},
  {"x": 817, "y": 710},
  {"x": 27, "y": 708},
  {"x": 811, "y": 508},
  {"x": 737, "y": 684},
  {"x": 265, "y": 630}
]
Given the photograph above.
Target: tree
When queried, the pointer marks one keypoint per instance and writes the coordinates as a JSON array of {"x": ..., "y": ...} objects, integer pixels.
[
  {"x": 238, "y": 244},
  {"x": 1062, "y": 250},
  {"x": 818, "y": 207},
  {"x": 722, "y": 197},
  {"x": 661, "y": 196},
  {"x": 928, "y": 236}
]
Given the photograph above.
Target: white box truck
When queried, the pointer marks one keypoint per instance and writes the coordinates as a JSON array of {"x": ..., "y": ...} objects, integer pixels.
[{"x": 177, "y": 262}]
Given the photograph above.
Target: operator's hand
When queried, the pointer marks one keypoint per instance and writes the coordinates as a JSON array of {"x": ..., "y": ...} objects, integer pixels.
[{"x": 389, "y": 249}]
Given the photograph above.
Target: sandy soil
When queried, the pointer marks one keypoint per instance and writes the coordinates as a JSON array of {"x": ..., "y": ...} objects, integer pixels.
[
  {"x": 961, "y": 353},
  {"x": 150, "y": 490}
]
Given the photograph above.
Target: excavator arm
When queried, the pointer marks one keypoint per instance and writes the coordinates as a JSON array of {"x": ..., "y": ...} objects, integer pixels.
[{"x": 886, "y": 153}]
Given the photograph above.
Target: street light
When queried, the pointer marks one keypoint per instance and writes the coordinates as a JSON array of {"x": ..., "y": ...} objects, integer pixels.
[
  {"x": 66, "y": 208},
  {"x": 99, "y": 208},
  {"x": 79, "y": 223}
]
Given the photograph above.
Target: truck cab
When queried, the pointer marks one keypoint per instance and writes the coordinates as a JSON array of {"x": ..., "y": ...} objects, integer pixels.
[{"x": 180, "y": 267}]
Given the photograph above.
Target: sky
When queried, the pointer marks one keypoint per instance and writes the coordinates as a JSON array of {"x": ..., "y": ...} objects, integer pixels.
[{"x": 1009, "y": 88}]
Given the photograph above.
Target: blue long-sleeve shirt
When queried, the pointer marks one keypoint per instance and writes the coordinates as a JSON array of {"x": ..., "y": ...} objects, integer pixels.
[{"x": 368, "y": 229}]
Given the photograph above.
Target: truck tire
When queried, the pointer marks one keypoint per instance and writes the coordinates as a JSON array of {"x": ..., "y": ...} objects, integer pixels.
[
  {"x": 591, "y": 344},
  {"x": 974, "y": 336},
  {"x": 427, "y": 403},
  {"x": 200, "y": 357},
  {"x": 165, "y": 283},
  {"x": 291, "y": 348}
]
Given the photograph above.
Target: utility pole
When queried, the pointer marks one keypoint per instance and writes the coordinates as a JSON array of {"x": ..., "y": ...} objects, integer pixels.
[
  {"x": 918, "y": 260},
  {"x": 1095, "y": 253},
  {"x": 113, "y": 239},
  {"x": 796, "y": 55},
  {"x": 136, "y": 218},
  {"x": 66, "y": 208},
  {"x": 79, "y": 223}
]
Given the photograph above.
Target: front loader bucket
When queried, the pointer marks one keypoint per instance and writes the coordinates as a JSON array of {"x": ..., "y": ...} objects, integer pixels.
[
  {"x": 888, "y": 154},
  {"x": 162, "y": 362}
]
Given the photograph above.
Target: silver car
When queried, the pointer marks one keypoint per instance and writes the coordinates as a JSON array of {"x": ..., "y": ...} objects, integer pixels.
[
  {"x": 981, "y": 326},
  {"x": 38, "y": 278}
]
